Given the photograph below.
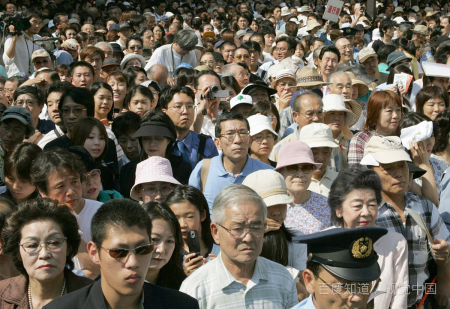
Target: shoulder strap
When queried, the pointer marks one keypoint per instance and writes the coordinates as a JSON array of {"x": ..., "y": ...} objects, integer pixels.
[
  {"x": 201, "y": 147},
  {"x": 204, "y": 173}
]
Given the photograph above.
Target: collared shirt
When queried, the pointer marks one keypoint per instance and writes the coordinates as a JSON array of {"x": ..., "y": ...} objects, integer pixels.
[
  {"x": 310, "y": 217},
  {"x": 271, "y": 286},
  {"x": 323, "y": 185},
  {"x": 305, "y": 304},
  {"x": 219, "y": 178},
  {"x": 357, "y": 145},
  {"x": 21, "y": 62},
  {"x": 418, "y": 246},
  {"x": 192, "y": 142}
]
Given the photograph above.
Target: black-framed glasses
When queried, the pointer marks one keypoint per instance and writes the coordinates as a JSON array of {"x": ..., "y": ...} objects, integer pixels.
[
  {"x": 344, "y": 290},
  {"x": 304, "y": 168},
  {"x": 53, "y": 245},
  {"x": 230, "y": 136},
  {"x": 94, "y": 174},
  {"x": 240, "y": 232},
  {"x": 119, "y": 253}
]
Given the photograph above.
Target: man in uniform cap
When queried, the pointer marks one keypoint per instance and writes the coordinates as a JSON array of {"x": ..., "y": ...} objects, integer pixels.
[{"x": 342, "y": 268}]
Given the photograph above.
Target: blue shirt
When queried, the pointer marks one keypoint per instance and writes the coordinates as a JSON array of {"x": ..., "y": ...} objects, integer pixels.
[
  {"x": 305, "y": 304},
  {"x": 444, "y": 204},
  {"x": 62, "y": 57},
  {"x": 192, "y": 142},
  {"x": 219, "y": 178}
]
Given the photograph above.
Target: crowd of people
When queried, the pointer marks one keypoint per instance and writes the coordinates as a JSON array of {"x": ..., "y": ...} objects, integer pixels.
[{"x": 221, "y": 154}]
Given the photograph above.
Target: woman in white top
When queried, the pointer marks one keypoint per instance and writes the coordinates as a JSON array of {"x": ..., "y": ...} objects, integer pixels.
[{"x": 354, "y": 199}]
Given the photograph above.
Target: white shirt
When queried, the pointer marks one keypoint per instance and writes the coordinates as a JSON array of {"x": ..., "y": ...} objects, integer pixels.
[
  {"x": 50, "y": 136},
  {"x": 168, "y": 57},
  {"x": 208, "y": 127},
  {"x": 85, "y": 216},
  {"x": 21, "y": 62}
]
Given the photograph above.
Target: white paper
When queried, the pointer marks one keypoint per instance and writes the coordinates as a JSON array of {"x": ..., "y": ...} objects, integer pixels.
[{"x": 333, "y": 9}]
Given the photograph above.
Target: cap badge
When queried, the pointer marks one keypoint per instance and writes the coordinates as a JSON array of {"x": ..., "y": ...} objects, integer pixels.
[
  {"x": 391, "y": 143},
  {"x": 240, "y": 97},
  {"x": 362, "y": 248}
]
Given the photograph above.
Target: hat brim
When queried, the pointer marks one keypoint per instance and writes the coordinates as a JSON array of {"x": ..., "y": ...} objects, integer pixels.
[
  {"x": 249, "y": 88},
  {"x": 363, "y": 274},
  {"x": 277, "y": 200},
  {"x": 363, "y": 89},
  {"x": 415, "y": 170},
  {"x": 153, "y": 131},
  {"x": 367, "y": 57},
  {"x": 312, "y": 84},
  {"x": 392, "y": 156},
  {"x": 152, "y": 178},
  {"x": 29, "y": 127},
  {"x": 324, "y": 143},
  {"x": 297, "y": 160},
  {"x": 259, "y": 128}
]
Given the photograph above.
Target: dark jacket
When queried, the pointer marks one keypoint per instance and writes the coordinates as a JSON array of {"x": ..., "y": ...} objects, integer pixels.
[
  {"x": 155, "y": 297},
  {"x": 14, "y": 291}
]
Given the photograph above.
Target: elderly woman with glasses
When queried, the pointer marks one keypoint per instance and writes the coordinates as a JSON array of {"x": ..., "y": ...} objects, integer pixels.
[
  {"x": 263, "y": 138},
  {"x": 41, "y": 238}
]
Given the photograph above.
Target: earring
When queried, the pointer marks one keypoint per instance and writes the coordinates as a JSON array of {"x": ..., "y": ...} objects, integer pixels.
[{"x": 339, "y": 215}]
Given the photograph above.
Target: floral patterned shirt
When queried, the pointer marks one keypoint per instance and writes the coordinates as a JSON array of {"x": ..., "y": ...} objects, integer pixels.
[{"x": 310, "y": 217}]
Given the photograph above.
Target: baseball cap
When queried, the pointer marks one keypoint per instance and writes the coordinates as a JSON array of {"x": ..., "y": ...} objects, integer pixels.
[
  {"x": 40, "y": 53},
  {"x": 384, "y": 150},
  {"x": 240, "y": 99}
]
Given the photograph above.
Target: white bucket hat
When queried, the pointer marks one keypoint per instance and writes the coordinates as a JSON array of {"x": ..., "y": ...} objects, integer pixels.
[
  {"x": 259, "y": 123},
  {"x": 270, "y": 186},
  {"x": 317, "y": 135},
  {"x": 336, "y": 102}
]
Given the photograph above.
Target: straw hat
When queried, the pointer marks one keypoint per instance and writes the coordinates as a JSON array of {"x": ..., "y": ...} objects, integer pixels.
[
  {"x": 309, "y": 77},
  {"x": 312, "y": 24},
  {"x": 362, "y": 87},
  {"x": 419, "y": 29}
]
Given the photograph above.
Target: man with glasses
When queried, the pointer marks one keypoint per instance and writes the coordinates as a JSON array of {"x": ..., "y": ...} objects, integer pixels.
[
  {"x": 285, "y": 48},
  {"x": 41, "y": 59},
  {"x": 241, "y": 75},
  {"x": 346, "y": 49},
  {"x": 369, "y": 59},
  {"x": 241, "y": 54},
  {"x": 307, "y": 108},
  {"x": 134, "y": 45},
  {"x": 121, "y": 246},
  {"x": 342, "y": 269},
  {"x": 11, "y": 84},
  {"x": 233, "y": 164},
  {"x": 238, "y": 277}
]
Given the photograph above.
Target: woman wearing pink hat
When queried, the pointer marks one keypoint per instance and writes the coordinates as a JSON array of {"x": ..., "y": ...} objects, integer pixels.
[{"x": 309, "y": 211}]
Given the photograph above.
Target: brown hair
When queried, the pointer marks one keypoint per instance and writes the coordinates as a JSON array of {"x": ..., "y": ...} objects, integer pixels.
[
  {"x": 90, "y": 52},
  {"x": 377, "y": 101},
  {"x": 428, "y": 93},
  {"x": 126, "y": 16},
  {"x": 63, "y": 69},
  {"x": 119, "y": 76},
  {"x": 20, "y": 160},
  {"x": 82, "y": 130},
  {"x": 68, "y": 27}
]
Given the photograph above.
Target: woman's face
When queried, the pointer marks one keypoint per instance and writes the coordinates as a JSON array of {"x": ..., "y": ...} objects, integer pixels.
[
  {"x": 133, "y": 63},
  {"x": 149, "y": 39},
  {"x": 140, "y": 78},
  {"x": 296, "y": 180},
  {"x": 19, "y": 189},
  {"x": 95, "y": 143},
  {"x": 140, "y": 103},
  {"x": 164, "y": 238},
  {"x": 277, "y": 213},
  {"x": 119, "y": 90},
  {"x": 103, "y": 103},
  {"x": 92, "y": 186},
  {"x": 388, "y": 119},
  {"x": 299, "y": 51},
  {"x": 208, "y": 59},
  {"x": 262, "y": 143},
  {"x": 254, "y": 26},
  {"x": 335, "y": 120},
  {"x": 157, "y": 33},
  {"x": 155, "y": 145},
  {"x": 71, "y": 34},
  {"x": 189, "y": 217},
  {"x": 359, "y": 209},
  {"x": 433, "y": 107},
  {"x": 44, "y": 265},
  {"x": 154, "y": 191}
]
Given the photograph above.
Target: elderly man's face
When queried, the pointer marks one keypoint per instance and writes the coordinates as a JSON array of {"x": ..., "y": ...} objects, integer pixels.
[
  {"x": 346, "y": 50},
  {"x": 88, "y": 28},
  {"x": 244, "y": 249},
  {"x": 241, "y": 75},
  {"x": 371, "y": 65},
  {"x": 311, "y": 111},
  {"x": 42, "y": 62},
  {"x": 342, "y": 84},
  {"x": 394, "y": 177}
]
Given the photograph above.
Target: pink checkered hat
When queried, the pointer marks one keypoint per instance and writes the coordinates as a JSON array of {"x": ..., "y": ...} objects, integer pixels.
[{"x": 153, "y": 169}]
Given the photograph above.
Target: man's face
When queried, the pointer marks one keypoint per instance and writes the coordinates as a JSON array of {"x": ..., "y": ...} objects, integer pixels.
[
  {"x": 64, "y": 22},
  {"x": 394, "y": 177},
  {"x": 11, "y": 8},
  {"x": 277, "y": 13},
  {"x": 316, "y": 45},
  {"x": 269, "y": 39},
  {"x": 431, "y": 24},
  {"x": 135, "y": 47},
  {"x": 346, "y": 50},
  {"x": 208, "y": 28},
  {"x": 227, "y": 53},
  {"x": 242, "y": 55},
  {"x": 371, "y": 65},
  {"x": 282, "y": 51},
  {"x": 390, "y": 32},
  {"x": 82, "y": 77},
  {"x": 235, "y": 150},
  {"x": 130, "y": 145},
  {"x": 160, "y": 9},
  {"x": 241, "y": 75},
  {"x": 12, "y": 133},
  {"x": 259, "y": 94},
  {"x": 311, "y": 110},
  {"x": 72, "y": 112},
  {"x": 389, "y": 12},
  {"x": 107, "y": 51},
  {"x": 52, "y": 107},
  {"x": 240, "y": 251},
  {"x": 342, "y": 84},
  {"x": 446, "y": 25},
  {"x": 10, "y": 87},
  {"x": 88, "y": 28},
  {"x": 42, "y": 62},
  {"x": 115, "y": 13},
  {"x": 181, "y": 111},
  {"x": 204, "y": 82},
  {"x": 321, "y": 155},
  {"x": 244, "y": 7},
  {"x": 242, "y": 23},
  {"x": 36, "y": 25},
  {"x": 258, "y": 40},
  {"x": 328, "y": 64}
]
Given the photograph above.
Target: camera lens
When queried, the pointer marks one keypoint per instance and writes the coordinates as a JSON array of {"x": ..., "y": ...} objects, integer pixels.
[{"x": 214, "y": 88}]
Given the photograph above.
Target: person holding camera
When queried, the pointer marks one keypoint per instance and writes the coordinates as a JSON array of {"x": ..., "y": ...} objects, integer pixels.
[{"x": 19, "y": 46}]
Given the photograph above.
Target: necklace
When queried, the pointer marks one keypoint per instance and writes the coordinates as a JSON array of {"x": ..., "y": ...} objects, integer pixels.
[{"x": 29, "y": 293}]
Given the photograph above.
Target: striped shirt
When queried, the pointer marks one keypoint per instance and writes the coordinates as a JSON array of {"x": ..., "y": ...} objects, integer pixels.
[
  {"x": 271, "y": 287},
  {"x": 418, "y": 247}
]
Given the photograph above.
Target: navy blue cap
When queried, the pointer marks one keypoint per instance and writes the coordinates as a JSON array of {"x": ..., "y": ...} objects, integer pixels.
[{"x": 348, "y": 31}]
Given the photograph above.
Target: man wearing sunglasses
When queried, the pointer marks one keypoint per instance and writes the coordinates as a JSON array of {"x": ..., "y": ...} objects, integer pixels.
[
  {"x": 121, "y": 245},
  {"x": 134, "y": 45}
]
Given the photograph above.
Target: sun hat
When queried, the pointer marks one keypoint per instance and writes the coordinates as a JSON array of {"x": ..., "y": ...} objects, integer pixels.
[
  {"x": 366, "y": 53},
  {"x": 208, "y": 34},
  {"x": 420, "y": 29},
  {"x": 304, "y": 9},
  {"x": 362, "y": 87},
  {"x": 128, "y": 57},
  {"x": 312, "y": 24},
  {"x": 259, "y": 123},
  {"x": 270, "y": 186},
  {"x": 21, "y": 114},
  {"x": 285, "y": 11},
  {"x": 154, "y": 128},
  {"x": 153, "y": 169},
  {"x": 355, "y": 107},
  {"x": 169, "y": 14},
  {"x": 384, "y": 150},
  {"x": 399, "y": 20},
  {"x": 396, "y": 57},
  {"x": 346, "y": 25},
  {"x": 416, "y": 133},
  {"x": 309, "y": 77},
  {"x": 285, "y": 73},
  {"x": 203, "y": 67},
  {"x": 124, "y": 25},
  {"x": 110, "y": 62},
  {"x": 317, "y": 135},
  {"x": 240, "y": 99},
  {"x": 295, "y": 152},
  {"x": 247, "y": 89},
  {"x": 335, "y": 102},
  {"x": 273, "y": 70},
  {"x": 416, "y": 8},
  {"x": 398, "y": 9},
  {"x": 240, "y": 33},
  {"x": 40, "y": 53}
]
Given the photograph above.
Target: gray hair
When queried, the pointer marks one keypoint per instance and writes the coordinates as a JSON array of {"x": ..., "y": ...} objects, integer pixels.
[
  {"x": 316, "y": 52},
  {"x": 405, "y": 28},
  {"x": 234, "y": 195},
  {"x": 332, "y": 76},
  {"x": 186, "y": 39},
  {"x": 298, "y": 100},
  {"x": 148, "y": 15},
  {"x": 103, "y": 43},
  {"x": 227, "y": 69}
]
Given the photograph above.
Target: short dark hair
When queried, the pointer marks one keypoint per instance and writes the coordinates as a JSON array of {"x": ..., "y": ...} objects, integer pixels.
[
  {"x": 330, "y": 48},
  {"x": 57, "y": 17},
  {"x": 119, "y": 213},
  {"x": 126, "y": 123},
  {"x": 428, "y": 93},
  {"x": 36, "y": 92},
  {"x": 292, "y": 44},
  {"x": 83, "y": 129},
  {"x": 202, "y": 73},
  {"x": 442, "y": 131},
  {"x": 228, "y": 116},
  {"x": 384, "y": 51},
  {"x": 131, "y": 74},
  {"x": 385, "y": 25},
  {"x": 265, "y": 29},
  {"x": 30, "y": 13},
  {"x": 263, "y": 108},
  {"x": 50, "y": 160},
  {"x": 38, "y": 210},
  {"x": 19, "y": 79},
  {"x": 353, "y": 178},
  {"x": 57, "y": 87},
  {"x": 134, "y": 37},
  {"x": 21, "y": 159},
  {"x": 168, "y": 94},
  {"x": 137, "y": 89},
  {"x": 82, "y": 63},
  {"x": 80, "y": 96},
  {"x": 222, "y": 47}
]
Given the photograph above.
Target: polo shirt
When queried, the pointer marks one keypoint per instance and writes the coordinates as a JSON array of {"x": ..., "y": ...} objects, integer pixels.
[
  {"x": 305, "y": 304},
  {"x": 192, "y": 143},
  {"x": 323, "y": 185},
  {"x": 218, "y": 178}
]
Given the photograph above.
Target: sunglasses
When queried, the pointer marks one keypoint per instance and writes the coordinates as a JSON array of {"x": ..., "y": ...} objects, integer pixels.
[
  {"x": 119, "y": 253},
  {"x": 139, "y": 47}
]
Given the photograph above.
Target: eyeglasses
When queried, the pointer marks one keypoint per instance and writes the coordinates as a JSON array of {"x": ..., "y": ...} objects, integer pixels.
[
  {"x": 257, "y": 231},
  {"x": 119, "y": 253},
  {"x": 53, "y": 245},
  {"x": 40, "y": 62},
  {"x": 22, "y": 103},
  {"x": 259, "y": 138},
  {"x": 94, "y": 175},
  {"x": 230, "y": 136},
  {"x": 76, "y": 111},
  {"x": 243, "y": 75},
  {"x": 7, "y": 129},
  {"x": 283, "y": 50},
  {"x": 349, "y": 46},
  {"x": 178, "y": 108},
  {"x": 139, "y": 47},
  {"x": 304, "y": 168},
  {"x": 344, "y": 290},
  {"x": 310, "y": 114},
  {"x": 242, "y": 56}
]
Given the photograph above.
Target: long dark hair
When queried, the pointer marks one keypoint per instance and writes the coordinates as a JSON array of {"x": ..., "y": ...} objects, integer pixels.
[
  {"x": 196, "y": 198},
  {"x": 172, "y": 274},
  {"x": 276, "y": 245}
]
